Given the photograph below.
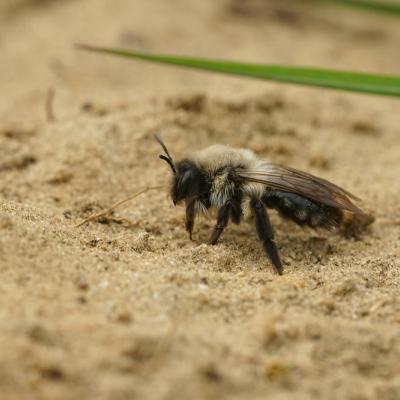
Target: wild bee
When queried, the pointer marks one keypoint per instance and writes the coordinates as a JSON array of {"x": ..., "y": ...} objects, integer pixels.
[{"x": 239, "y": 186}]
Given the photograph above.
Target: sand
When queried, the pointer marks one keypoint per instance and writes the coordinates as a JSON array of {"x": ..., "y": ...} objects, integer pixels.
[{"x": 127, "y": 307}]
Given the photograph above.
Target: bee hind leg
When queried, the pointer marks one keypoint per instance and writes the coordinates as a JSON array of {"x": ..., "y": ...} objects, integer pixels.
[
  {"x": 266, "y": 234},
  {"x": 222, "y": 222}
]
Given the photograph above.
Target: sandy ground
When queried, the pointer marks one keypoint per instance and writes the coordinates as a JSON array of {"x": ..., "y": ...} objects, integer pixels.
[{"x": 128, "y": 307}]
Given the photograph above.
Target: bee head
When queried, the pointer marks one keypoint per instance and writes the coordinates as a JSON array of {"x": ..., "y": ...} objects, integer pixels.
[
  {"x": 185, "y": 183},
  {"x": 186, "y": 176}
]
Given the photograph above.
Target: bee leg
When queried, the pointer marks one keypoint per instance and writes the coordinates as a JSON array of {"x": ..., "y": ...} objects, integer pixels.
[
  {"x": 190, "y": 216},
  {"x": 266, "y": 234},
  {"x": 222, "y": 222},
  {"x": 236, "y": 210}
]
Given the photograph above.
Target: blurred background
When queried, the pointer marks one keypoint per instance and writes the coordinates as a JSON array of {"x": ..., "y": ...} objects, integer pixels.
[{"x": 37, "y": 38}]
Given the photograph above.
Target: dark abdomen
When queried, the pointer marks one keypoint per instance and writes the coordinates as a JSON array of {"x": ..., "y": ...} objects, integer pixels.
[{"x": 301, "y": 210}]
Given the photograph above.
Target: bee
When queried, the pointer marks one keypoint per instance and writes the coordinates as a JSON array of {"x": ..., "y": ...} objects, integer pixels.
[{"x": 239, "y": 185}]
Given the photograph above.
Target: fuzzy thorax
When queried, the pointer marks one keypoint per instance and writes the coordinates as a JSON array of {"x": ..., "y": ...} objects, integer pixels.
[{"x": 219, "y": 161}]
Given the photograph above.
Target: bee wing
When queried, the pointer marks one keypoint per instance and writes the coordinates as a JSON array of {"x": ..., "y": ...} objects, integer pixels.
[{"x": 292, "y": 180}]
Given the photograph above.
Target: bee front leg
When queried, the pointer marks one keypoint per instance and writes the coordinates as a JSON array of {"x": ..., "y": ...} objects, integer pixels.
[
  {"x": 222, "y": 222},
  {"x": 190, "y": 217},
  {"x": 266, "y": 234}
]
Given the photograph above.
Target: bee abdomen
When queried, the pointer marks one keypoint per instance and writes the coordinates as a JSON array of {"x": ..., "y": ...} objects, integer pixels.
[{"x": 301, "y": 210}]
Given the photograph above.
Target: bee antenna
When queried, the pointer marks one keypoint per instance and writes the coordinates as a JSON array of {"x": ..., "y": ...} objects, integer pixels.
[{"x": 166, "y": 157}]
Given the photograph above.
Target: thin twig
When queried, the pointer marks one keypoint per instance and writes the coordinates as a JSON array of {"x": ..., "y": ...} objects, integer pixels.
[
  {"x": 50, "y": 105},
  {"x": 115, "y": 205},
  {"x": 377, "y": 305}
]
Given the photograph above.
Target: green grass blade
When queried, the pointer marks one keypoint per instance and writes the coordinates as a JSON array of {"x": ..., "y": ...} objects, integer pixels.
[
  {"x": 377, "y": 6},
  {"x": 333, "y": 79}
]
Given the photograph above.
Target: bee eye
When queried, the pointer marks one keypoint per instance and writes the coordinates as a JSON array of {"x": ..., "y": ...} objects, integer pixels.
[{"x": 184, "y": 182}]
